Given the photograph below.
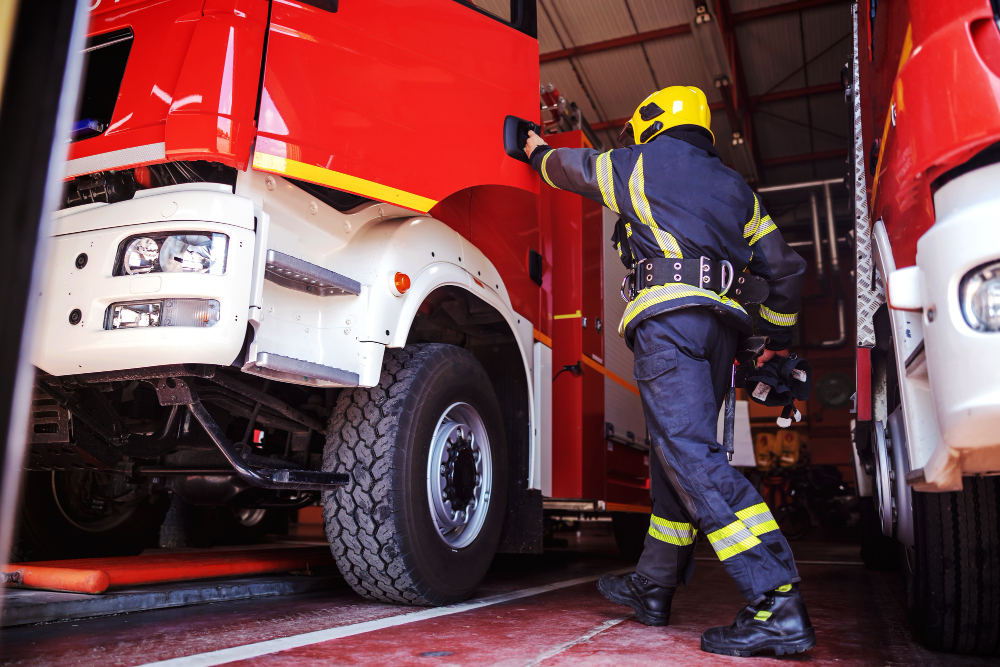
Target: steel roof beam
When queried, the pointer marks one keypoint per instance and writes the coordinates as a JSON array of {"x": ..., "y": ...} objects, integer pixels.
[
  {"x": 618, "y": 42},
  {"x": 807, "y": 157},
  {"x": 683, "y": 29},
  {"x": 741, "y": 96},
  {"x": 754, "y": 101},
  {"x": 797, "y": 92},
  {"x": 784, "y": 8}
]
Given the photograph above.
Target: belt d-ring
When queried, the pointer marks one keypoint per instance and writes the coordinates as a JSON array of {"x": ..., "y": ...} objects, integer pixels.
[{"x": 726, "y": 284}]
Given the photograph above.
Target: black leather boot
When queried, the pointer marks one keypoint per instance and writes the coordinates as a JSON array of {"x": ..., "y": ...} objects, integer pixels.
[
  {"x": 650, "y": 601},
  {"x": 778, "y": 623}
]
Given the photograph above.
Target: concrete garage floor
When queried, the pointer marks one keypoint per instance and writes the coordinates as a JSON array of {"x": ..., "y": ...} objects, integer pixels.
[{"x": 531, "y": 610}]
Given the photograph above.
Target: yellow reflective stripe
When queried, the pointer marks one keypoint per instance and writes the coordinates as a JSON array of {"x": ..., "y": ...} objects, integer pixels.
[
  {"x": 753, "y": 510},
  {"x": 545, "y": 174},
  {"x": 757, "y": 229},
  {"x": 763, "y": 527},
  {"x": 676, "y": 525},
  {"x": 669, "y": 538},
  {"x": 735, "y": 528},
  {"x": 781, "y": 319},
  {"x": 637, "y": 191},
  {"x": 668, "y": 244},
  {"x": 657, "y": 294},
  {"x": 672, "y": 532},
  {"x": 731, "y": 540},
  {"x": 618, "y": 247},
  {"x": 335, "y": 179},
  {"x": 738, "y": 548},
  {"x": 784, "y": 589},
  {"x": 755, "y": 218},
  {"x": 758, "y": 519},
  {"x": 762, "y": 615},
  {"x": 606, "y": 182}
]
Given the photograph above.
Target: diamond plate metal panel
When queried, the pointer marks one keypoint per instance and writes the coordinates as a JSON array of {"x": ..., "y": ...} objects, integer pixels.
[{"x": 871, "y": 292}]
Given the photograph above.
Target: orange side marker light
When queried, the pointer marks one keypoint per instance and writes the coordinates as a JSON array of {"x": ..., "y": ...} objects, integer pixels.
[{"x": 399, "y": 284}]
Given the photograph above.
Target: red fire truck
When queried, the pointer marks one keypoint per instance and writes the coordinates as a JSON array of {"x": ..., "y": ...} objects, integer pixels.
[
  {"x": 294, "y": 261},
  {"x": 925, "y": 87}
]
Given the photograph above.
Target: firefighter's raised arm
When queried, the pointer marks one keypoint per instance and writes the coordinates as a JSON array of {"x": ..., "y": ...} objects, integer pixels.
[
  {"x": 783, "y": 269},
  {"x": 572, "y": 169}
]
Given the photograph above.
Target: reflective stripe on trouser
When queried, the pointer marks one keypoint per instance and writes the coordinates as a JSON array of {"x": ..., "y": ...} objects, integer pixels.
[
  {"x": 680, "y": 533},
  {"x": 742, "y": 534},
  {"x": 665, "y": 562},
  {"x": 683, "y": 366}
]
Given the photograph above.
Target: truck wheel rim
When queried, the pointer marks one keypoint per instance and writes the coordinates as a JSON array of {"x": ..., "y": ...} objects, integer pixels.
[
  {"x": 883, "y": 482},
  {"x": 459, "y": 475},
  {"x": 91, "y": 515}
]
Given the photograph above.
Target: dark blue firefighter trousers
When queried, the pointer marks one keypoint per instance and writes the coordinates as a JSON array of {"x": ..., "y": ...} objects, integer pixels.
[{"x": 683, "y": 364}]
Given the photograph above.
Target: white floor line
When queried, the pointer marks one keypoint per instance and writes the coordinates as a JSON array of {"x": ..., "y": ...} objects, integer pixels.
[
  {"x": 248, "y": 651},
  {"x": 553, "y": 652}
]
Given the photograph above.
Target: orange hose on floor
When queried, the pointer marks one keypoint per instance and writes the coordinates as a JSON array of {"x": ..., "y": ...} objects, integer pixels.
[
  {"x": 96, "y": 575},
  {"x": 64, "y": 579}
]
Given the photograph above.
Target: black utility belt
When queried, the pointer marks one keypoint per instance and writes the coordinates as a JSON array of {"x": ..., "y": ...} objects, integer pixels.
[{"x": 716, "y": 276}]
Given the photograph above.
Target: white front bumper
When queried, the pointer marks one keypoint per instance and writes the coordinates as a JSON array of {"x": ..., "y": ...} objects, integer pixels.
[
  {"x": 962, "y": 363},
  {"x": 951, "y": 388},
  {"x": 98, "y": 231}
]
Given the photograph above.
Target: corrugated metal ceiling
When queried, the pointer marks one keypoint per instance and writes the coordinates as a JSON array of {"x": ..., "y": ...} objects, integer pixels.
[{"x": 794, "y": 46}]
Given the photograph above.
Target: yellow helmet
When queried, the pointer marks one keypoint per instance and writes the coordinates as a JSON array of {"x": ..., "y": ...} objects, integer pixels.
[{"x": 670, "y": 107}]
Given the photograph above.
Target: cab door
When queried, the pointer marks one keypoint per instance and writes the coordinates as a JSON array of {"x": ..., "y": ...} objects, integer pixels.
[{"x": 402, "y": 101}]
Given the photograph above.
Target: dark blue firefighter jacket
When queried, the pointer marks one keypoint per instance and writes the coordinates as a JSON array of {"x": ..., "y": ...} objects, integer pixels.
[{"x": 677, "y": 199}]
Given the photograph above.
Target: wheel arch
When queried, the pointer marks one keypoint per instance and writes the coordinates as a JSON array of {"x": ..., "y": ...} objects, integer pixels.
[
  {"x": 453, "y": 314},
  {"x": 926, "y": 450}
]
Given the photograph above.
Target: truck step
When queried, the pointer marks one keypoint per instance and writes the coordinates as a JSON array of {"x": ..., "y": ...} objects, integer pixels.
[
  {"x": 303, "y": 276},
  {"x": 306, "y": 369}
]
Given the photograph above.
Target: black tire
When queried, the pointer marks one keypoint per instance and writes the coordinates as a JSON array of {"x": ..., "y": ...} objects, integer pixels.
[
  {"x": 380, "y": 525},
  {"x": 51, "y": 528},
  {"x": 630, "y": 531},
  {"x": 955, "y": 603},
  {"x": 878, "y": 551}
]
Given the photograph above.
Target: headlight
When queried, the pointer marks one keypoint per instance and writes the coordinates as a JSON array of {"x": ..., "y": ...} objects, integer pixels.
[
  {"x": 162, "y": 313},
  {"x": 188, "y": 252},
  {"x": 980, "y": 297},
  {"x": 141, "y": 256}
]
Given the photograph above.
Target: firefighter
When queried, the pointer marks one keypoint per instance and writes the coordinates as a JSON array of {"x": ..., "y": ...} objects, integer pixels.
[{"x": 686, "y": 221}]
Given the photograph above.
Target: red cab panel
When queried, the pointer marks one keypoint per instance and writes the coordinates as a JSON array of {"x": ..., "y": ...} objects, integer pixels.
[
  {"x": 929, "y": 85},
  {"x": 189, "y": 90},
  {"x": 399, "y": 101},
  {"x": 578, "y": 438}
]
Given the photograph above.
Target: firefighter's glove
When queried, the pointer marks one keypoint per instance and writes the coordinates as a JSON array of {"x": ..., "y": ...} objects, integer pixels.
[{"x": 781, "y": 381}]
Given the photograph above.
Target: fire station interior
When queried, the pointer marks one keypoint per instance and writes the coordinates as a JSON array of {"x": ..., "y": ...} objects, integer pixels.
[{"x": 176, "y": 582}]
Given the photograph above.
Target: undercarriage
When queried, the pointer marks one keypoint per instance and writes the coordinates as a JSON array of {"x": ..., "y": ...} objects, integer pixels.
[{"x": 196, "y": 431}]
